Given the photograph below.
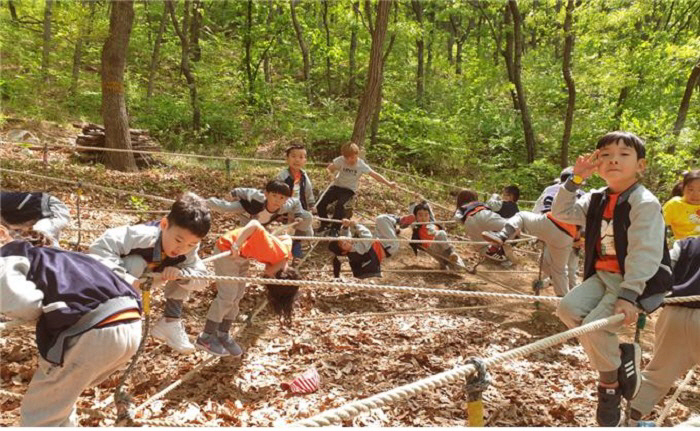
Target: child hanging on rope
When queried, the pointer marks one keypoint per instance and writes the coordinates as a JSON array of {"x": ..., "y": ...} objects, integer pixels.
[
  {"x": 428, "y": 232},
  {"x": 682, "y": 213},
  {"x": 626, "y": 262},
  {"x": 349, "y": 168},
  {"x": 89, "y": 324},
  {"x": 505, "y": 205},
  {"x": 273, "y": 204},
  {"x": 300, "y": 185},
  {"x": 677, "y": 332},
  {"x": 478, "y": 217},
  {"x": 169, "y": 247},
  {"x": 249, "y": 242},
  {"x": 365, "y": 257},
  {"x": 37, "y": 211}
]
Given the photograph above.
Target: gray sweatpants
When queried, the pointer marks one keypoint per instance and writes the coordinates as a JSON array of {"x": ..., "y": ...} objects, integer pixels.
[
  {"x": 481, "y": 221},
  {"x": 52, "y": 226},
  {"x": 676, "y": 349},
  {"x": 304, "y": 227},
  {"x": 136, "y": 265},
  {"x": 386, "y": 232},
  {"x": 558, "y": 245},
  {"x": 595, "y": 299},
  {"x": 92, "y": 357},
  {"x": 229, "y": 293}
]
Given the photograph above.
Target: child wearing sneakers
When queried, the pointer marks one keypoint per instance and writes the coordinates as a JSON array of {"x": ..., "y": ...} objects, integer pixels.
[
  {"x": 677, "y": 332},
  {"x": 365, "y": 257},
  {"x": 626, "y": 262},
  {"x": 505, "y": 205},
  {"x": 478, "y": 217},
  {"x": 273, "y": 204},
  {"x": 168, "y": 247},
  {"x": 89, "y": 324},
  {"x": 349, "y": 168},
  {"x": 299, "y": 183},
  {"x": 682, "y": 213},
  {"x": 37, "y": 211},
  {"x": 249, "y": 242},
  {"x": 429, "y": 232}
]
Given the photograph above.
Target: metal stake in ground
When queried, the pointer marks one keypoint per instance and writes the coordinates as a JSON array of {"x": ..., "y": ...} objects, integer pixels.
[{"x": 79, "y": 193}]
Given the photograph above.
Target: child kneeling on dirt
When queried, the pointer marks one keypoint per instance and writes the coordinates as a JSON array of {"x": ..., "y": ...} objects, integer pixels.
[
  {"x": 365, "y": 257},
  {"x": 89, "y": 324},
  {"x": 429, "y": 232},
  {"x": 39, "y": 211},
  {"x": 249, "y": 242}
]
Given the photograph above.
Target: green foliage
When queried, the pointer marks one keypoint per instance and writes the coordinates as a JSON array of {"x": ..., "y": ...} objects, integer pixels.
[{"x": 464, "y": 129}]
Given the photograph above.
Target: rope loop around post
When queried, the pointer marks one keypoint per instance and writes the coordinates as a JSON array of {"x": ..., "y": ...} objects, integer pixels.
[{"x": 475, "y": 386}]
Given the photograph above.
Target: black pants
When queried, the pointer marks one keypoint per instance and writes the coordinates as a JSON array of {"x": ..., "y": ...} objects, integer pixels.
[{"x": 339, "y": 195}]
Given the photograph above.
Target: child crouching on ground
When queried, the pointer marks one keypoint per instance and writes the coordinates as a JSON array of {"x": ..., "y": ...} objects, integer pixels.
[
  {"x": 429, "y": 232},
  {"x": 478, "y": 217},
  {"x": 249, "y": 242},
  {"x": 37, "y": 211}
]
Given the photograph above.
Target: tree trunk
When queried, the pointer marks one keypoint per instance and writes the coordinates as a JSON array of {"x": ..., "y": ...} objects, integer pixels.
[
  {"x": 353, "y": 49},
  {"x": 374, "y": 74},
  {"x": 328, "y": 45},
  {"x": 267, "y": 70},
  {"x": 248, "y": 42},
  {"x": 571, "y": 87},
  {"x": 517, "y": 68},
  {"x": 431, "y": 37},
  {"x": 450, "y": 45},
  {"x": 114, "y": 114},
  {"x": 374, "y": 126},
  {"x": 185, "y": 58},
  {"x": 685, "y": 102},
  {"x": 303, "y": 47},
  {"x": 508, "y": 56},
  {"x": 458, "y": 58},
  {"x": 195, "y": 26},
  {"x": 620, "y": 106},
  {"x": 156, "y": 52},
  {"x": 420, "y": 71},
  {"x": 13, "y": 11},
  {"x": 47, "y": 40}
]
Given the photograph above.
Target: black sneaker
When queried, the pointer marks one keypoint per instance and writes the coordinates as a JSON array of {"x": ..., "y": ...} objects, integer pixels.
[
  {"x": 333, "y": 232},
  {"x": 498, "y": 255},
  {"x": 608, "y": 413},
  {"x": 628, "y": 373}
]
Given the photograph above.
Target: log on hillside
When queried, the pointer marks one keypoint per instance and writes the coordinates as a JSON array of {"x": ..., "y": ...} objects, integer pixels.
[{"x": 93, "y": 135}]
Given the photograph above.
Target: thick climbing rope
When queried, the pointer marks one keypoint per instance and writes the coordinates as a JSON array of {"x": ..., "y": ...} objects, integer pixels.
[
  {"x": 90, "y": 186},
  {"x": 414, "y": 271},
  {"x": 400, "y": 393},
  {"x": 671, "y": 402},
  {"x": 332, "y": 220},
  {"x": 401, "y": 240},
  {"x": 374, "y": 287},
  {"x": 125, "y": 211},
  {"x": 405, "y": 312}
]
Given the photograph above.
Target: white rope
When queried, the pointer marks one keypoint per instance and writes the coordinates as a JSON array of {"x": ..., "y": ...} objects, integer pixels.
[
  {"x": 401, "y": 240},
  {"x": 124, "y": 211},
  {"x": 375, "y": 287},
  {"x": 409, "y": 271},
  {"x": 332, "y": 220},
  {"x": 90, "y": 186},
  {"x": 400, "y": 393},
  {"x": 671, "y": 402}
]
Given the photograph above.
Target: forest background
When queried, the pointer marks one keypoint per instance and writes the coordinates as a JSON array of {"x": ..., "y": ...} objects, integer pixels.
[{"x": 479, "y": 93}]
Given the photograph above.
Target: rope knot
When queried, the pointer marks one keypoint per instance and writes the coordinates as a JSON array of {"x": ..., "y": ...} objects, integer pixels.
[{"x": 480, "y": 381}]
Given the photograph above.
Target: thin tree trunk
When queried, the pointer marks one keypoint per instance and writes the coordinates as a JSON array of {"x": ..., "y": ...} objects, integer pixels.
[
  {"x": 450, "y": 44},
  {"x": 13, "y": 11},
  {"x": 571, "y": 87},
  {"x": 114, "y": 113},
  {"x": 155, "y": 56},
  {"x": 328, "y": 45},
  {"x": 353, "y": 49},
  {"x": 420, "y": 72},
  {"x": 266, "y": 58},
  {"x": 195, "y": 26},
  {"x": 458, "y": 58},
  {"x": 185, "y": 59},
  {"x": 46, "y": 40},
  {"x": 517, "y": 68},
  {"x": 620, "y": 106},
  {"x": 508, "y": 55},
  {"x": 303, "y": 47},
  {"x": 374, "y": 74},
  {"x": 248, "y": 42},
  {"x": 685, "y": 102},
  {"x": 431, "y": 37}
]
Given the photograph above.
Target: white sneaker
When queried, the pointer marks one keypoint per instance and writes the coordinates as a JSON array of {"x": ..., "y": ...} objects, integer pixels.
[{"x": 174, "y": 335}]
